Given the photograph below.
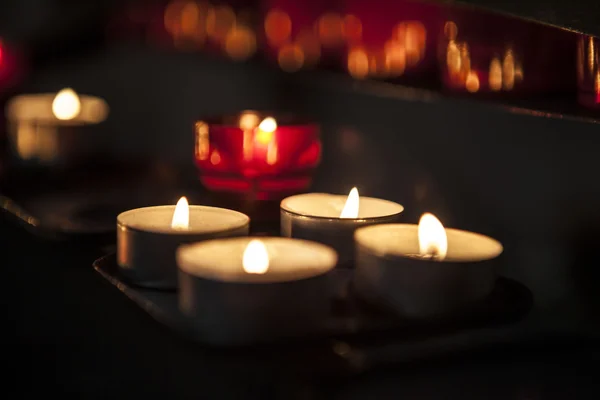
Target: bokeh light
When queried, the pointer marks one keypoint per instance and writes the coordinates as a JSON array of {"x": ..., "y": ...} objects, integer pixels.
[
  {"x": 450, "y": 30},
  {"x": 291, "y": 57},
  {"x": 310, "y": 46},
  {"x": 508, "y": 70},
  {"x": 240, "y": 43},
  {"x": 219, "y": 21},
  {"x": 278, "y": 27},
  {"x": 495, "y": 75},
  {"x": 358, "y": 63},
  {"x": 330, "y": 29},
  {"x": 352, "y": 28},
  {"x": 472, "y": 82}
]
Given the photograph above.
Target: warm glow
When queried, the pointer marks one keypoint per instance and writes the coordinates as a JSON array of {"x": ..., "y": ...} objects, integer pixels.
[
  {"x": 278, "y": 27},
  {"x": 495, "y": 75},
  {"x": 272, "y": 153},
  {"x": 352, "y": 28},
  {"x": 66, "y": 105},
  {"x": 309, "y": 45},
  {"x": 358, "y": 63},
  {"x": 351, "y": 207},
  {"x": 330, "y": 29},
  {"x": 219, "y": 21},
  {"x": 268, "y": 124},
  {"x": 202, "y": 142},
  {"x": 248, "y": 121},
  {"x": 415, "y": 42},
  {"x": 432, "y": 237},
  {"x": 256, "y": 258},
  {"x": 453, "y": 58},
  {"x": 266, "y": 130},
  {"x": 450, "y": 30},
  {"x": 181, "y": 216},
  {"x": 472, "y": 82},
  {"x": 291, "y": 57},
  {"x": 591, "y": 54},
  {"x": 240, "y": 43},
  {"x": 395, "y": 58},
  {"x": 508, "y": 71},
  {"x": 215, "y": 157},
  {"x": 190, "y": 18}
]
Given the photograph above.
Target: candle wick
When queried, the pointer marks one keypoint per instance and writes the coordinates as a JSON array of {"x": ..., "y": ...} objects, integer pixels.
[{"x": 432, "y": 255}]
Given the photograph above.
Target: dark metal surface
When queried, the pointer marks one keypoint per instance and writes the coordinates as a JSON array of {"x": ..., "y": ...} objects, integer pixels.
[{"x": 357, "y": 325}]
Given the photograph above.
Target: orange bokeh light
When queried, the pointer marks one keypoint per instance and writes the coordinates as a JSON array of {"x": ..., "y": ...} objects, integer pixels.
[
  {"x": 240, "y": 43},
  {"x": 330, "y": 29},
  {"x": 352, "y": 28},
  {"x": 278, "y": 27},
  {"x": 358, "y": 63},
  {"x": 472, "y": 82},
  {"x": 310, "y": 46},
  {"x": 219, "y": 21},
  {"x": 291, "y": 57}
]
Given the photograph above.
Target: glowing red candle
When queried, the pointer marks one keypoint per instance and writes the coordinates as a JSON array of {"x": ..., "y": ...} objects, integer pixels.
[{"x": 258, "y": 154}]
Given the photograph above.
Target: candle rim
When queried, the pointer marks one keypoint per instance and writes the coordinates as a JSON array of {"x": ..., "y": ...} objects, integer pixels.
[
  {"x": 449, "y": 258},
  {"x": 273, "y": 277},
  {"x": 338, "y": 219},
  {"x": 283, "y": 119},
  {"x": 13, "y": 106},
  {"x": 244, "y": 221}
]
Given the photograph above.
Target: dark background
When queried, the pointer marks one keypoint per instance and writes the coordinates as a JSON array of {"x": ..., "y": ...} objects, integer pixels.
[{"x": 527, "y": 180}]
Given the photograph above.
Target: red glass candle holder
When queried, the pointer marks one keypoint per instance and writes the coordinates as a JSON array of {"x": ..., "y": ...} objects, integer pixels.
[
  {"x": 262, "y": 155},
  {"x": 588, "y": 71}
]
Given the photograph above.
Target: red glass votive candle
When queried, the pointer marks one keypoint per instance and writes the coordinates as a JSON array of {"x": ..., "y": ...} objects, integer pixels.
[{"x": 260, "y": 154}]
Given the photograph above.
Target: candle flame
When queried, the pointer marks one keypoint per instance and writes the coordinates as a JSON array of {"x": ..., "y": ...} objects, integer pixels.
[
  {"x": 66, "y": 105},
  {"x": 256, "y": 258},
  {"x": 268, "y": 125},
  {"x": 181, "y": 216},
  {"x": 351, "y": 207},
  {"x": 432, "y": 237},
  {"x": 266, "y": 130}
]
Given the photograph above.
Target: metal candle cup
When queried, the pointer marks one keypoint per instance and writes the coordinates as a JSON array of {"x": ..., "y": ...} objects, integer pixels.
[
  {"x": 146, "y": 242},
  {"x": 391, "y": 273},
  {"x": 228, "y": 303},
  {"x": 316, "y": 216}
]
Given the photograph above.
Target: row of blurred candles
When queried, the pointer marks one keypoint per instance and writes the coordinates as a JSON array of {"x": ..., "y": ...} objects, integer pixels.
[
  {"x": 412, "y": 43},
  {"x": 466, "y": 50}
]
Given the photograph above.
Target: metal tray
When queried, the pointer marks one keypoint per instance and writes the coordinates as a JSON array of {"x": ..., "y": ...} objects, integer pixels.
[{"x": 353, "y": 326}]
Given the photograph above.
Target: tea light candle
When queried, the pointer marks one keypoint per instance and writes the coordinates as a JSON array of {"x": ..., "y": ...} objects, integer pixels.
[
  {"x": 332, "y": 219},
  {"x": 147, "y": 238},
  {"x": 424, "y": 270},
  {"x": 37, "y": 121},
  {"x": 243, "y": 290}
]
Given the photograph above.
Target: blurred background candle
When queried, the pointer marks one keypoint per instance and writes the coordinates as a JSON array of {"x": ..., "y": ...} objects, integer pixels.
[
  {"x": 332, "y": 219},
  {"x": 257, "y": 154},
  {"x": 148, "y": 237},
  {"x": 243, "y": 290},
  {"x": 47, "y": 128},
  {"x": 424, "y": 270}
]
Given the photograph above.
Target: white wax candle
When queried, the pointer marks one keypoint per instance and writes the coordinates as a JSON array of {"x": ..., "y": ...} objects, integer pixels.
[
  {"x": 289, "y": 260},
  {"x": 233, "y": 297},
  {"x": 401, "y": 240},
  {"x": 146, "y": 240},
  {"x": 39, "y": 108},
  {"x": 325, "y": 205},
  {"x": 391, "y": 270},
  {"x": 317, "y": 216}
]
